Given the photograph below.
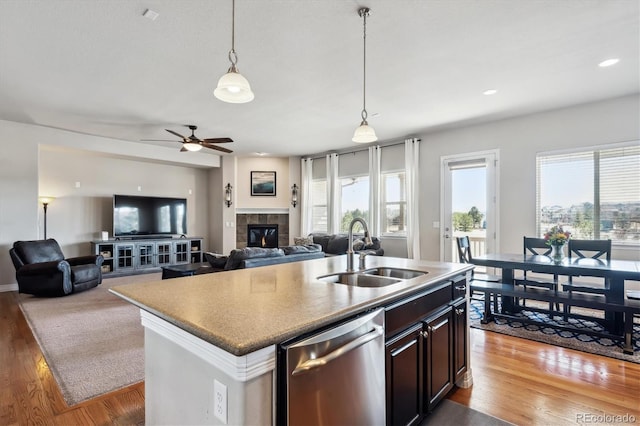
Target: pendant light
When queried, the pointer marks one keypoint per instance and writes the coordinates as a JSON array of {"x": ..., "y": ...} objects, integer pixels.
[
  {"x": 364, "y": 133},
  {"x": 233, "y": 87}
]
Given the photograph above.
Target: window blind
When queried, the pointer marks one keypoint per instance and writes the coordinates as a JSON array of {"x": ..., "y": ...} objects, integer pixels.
[{"x": 595, "y": 193}]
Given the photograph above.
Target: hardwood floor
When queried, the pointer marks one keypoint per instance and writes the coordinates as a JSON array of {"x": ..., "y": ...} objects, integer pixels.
[{"x": 520, "y": 381}]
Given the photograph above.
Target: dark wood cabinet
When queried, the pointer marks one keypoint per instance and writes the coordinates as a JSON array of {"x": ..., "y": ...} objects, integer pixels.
[
  {"x": 460, "y": 339},
  {"x": 426, "y": 350},
  {"x": 404, "y": 371},
  {"x": 438, "y": 342}
]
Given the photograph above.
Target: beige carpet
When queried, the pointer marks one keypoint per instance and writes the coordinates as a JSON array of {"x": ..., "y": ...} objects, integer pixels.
[{"x": 92, "y": 341}]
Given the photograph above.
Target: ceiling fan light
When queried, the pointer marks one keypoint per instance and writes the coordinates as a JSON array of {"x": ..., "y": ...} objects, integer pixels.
[
  {"x": 364, "y": 134},
  {"x": 192, "y": 146},
  {"x": 233, "y": 88}
]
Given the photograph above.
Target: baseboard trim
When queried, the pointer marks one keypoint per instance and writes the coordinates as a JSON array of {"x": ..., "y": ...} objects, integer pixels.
[{"x": 8, "y": 287}]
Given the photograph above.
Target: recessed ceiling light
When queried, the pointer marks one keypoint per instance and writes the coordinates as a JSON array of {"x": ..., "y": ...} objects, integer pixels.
[
  {"x": 261, "y": 154},
  {"x": 609, "y": 62},
  {"x": 490, "y": 92},
  {"x": 150, "y": 14}
]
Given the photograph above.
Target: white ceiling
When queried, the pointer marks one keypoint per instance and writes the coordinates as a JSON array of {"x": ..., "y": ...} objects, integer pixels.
[{"x": 99, "y": 67}]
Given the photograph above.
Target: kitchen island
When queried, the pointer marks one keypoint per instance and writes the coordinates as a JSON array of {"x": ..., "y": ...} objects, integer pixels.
[{"x": 214, "y": 336}]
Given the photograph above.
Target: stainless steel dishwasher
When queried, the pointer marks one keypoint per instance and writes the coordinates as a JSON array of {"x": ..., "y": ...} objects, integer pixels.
[{"x": 337, "y": 377}]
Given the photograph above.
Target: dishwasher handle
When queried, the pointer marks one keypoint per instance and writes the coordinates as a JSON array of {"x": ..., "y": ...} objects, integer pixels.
[{"x": 376, "y": 332}]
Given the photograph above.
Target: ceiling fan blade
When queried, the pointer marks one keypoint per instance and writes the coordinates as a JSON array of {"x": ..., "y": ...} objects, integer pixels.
[
  {"x": 217, "y": 148},
  {"x": 159, "y": 140},
  {"x": 217, "y": 140},
  {"x": 176, "y": 133}
]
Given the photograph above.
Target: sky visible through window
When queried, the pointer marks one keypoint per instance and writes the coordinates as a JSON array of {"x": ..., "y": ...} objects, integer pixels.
[
  {"x": 469, "y": 189},
  {"x": 355, "y": 196}
]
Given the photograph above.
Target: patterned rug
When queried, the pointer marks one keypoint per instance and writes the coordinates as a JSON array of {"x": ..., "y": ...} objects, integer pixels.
[{"x": 544, "y": 333}]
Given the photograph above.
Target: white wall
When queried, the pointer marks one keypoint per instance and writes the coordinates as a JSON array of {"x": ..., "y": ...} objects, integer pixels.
[
  {"x": 78, "y": 214},
  {"x": 519, "y": 139},
  {"x": 246, "y": 165},
  {"x": 18, "y": 194}
]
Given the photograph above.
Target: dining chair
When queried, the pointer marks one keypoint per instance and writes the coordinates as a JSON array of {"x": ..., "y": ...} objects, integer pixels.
[
  {"x": 465, "y": 256},
  {"x": 532, "y": 246},
  {"x": 587, "y": 251}
]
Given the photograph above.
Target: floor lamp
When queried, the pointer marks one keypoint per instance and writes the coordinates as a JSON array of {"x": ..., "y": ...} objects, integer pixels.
[{"x": 45, "y": 203}]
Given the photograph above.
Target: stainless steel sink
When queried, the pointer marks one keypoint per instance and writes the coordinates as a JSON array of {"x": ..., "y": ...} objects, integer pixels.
[
  {"x": 359, "y": 279},
  {"x": 403, "y": 274}
]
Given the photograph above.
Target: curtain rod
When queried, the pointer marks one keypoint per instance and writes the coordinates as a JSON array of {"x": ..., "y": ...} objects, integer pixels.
[{"x": 352, "y": 151}]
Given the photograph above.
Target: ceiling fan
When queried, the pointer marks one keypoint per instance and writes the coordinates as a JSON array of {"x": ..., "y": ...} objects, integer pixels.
[{"x": 192, "y": 143}]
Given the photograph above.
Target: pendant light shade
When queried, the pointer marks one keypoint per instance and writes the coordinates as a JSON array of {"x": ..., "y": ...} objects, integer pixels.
[
  {"x": 364, "y": 133},
  {"x": 233, "y": 87}
]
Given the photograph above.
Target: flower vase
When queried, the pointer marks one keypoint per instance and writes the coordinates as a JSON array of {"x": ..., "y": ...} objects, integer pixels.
[{"x": 557, "y": 253}]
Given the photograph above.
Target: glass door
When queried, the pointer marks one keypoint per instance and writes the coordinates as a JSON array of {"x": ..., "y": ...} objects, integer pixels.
[{"x": 469, "y": 200}]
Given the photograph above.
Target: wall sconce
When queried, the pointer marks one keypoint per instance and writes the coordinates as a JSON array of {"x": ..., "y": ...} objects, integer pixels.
[
  {"x": 45, "y": 203},
  {"x": 228, "y": 195},
  {"x": 294, "y": 195}
]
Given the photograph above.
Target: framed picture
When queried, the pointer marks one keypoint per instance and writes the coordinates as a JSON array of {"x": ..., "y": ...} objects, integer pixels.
[{"x": 263, "y": 183}]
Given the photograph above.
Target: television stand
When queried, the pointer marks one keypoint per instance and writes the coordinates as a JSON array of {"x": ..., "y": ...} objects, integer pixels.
[{"x": 146, "y": 253}]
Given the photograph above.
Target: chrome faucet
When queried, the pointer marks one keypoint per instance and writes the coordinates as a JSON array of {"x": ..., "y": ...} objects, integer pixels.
[{"x": 367, "y": 241}]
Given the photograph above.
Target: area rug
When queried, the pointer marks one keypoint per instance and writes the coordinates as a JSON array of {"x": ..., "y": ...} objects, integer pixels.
[
  {"x": 92, "y": 341},
  {"x": 544, "y": 333},
  {"x": 451, "y": 413}
]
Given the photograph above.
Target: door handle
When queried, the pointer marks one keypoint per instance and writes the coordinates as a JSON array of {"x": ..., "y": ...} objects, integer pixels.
[{"x": 319, "y": 362}]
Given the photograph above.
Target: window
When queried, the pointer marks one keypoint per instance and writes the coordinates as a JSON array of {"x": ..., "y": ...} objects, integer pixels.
[
  {"x": 354, "y": 200},
  {"x": 394, "y": 204},
  {"x": 319, "y": 205},
  {"x": 595, "y": 194}
]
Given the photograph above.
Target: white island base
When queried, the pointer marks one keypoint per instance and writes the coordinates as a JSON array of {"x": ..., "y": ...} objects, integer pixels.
[{"x": 180, "y": 374}]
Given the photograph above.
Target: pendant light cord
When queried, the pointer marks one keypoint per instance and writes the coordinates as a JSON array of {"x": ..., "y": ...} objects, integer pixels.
[
  {"x": 364, "y": 12},
  {"x": 233, "y": 58}
]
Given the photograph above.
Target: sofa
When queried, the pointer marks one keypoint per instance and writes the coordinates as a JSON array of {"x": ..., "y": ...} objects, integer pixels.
[
  {"x": 42, "y": 269},
  {"x": 251, "y": 257},
  {"x": 337, "y": 244}
]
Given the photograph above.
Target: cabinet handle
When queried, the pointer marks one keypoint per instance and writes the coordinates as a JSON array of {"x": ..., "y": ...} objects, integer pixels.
[
  {"x": 424, "y": 334},
  {"x": 461, "y": 287},
  {"x": 459, "y": 311}
]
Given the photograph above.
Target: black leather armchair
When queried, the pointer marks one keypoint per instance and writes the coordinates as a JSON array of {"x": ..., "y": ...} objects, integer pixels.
[{"x": 42, "y": 270}]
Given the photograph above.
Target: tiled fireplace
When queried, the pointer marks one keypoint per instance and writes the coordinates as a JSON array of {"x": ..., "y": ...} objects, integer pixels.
[{"x": 262, "y": 225}]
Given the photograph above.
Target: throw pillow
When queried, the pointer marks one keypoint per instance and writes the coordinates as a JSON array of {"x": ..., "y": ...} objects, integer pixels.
[
  {"x": 358, "y": 244},
  {"x": 216, "y": 260},
  {"x": 338, "y": 244},
  {"x": 302, "y": 241}
]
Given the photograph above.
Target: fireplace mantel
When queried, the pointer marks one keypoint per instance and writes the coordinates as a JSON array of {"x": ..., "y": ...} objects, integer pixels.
[{"x": 259, "y": 210}]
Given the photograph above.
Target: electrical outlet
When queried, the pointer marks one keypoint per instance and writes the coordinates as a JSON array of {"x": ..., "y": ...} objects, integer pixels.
[{"x": 220, "y": 401}]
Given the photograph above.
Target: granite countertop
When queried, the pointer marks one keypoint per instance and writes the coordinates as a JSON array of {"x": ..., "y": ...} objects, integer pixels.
[{"x": 244, "y": 310}]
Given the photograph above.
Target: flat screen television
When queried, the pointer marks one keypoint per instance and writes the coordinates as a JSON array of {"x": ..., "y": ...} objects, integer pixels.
[{"x": 139, "y": 216}]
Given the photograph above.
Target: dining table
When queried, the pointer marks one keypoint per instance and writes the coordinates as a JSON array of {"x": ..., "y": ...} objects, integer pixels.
[{"x": 615, "y": 271}]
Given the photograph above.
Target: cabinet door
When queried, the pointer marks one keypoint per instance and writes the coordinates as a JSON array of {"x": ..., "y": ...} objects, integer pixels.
[
  {"x": 404, "y": 359},
  {"x": 460, "y": 339},
  {"x": 145, "y": 255},
  {"x": 181, "y": 252},
  {"x": 438, "y": 376},
  {"x": 125, "y": 255},
  {"x": 163, "y": 254}
]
